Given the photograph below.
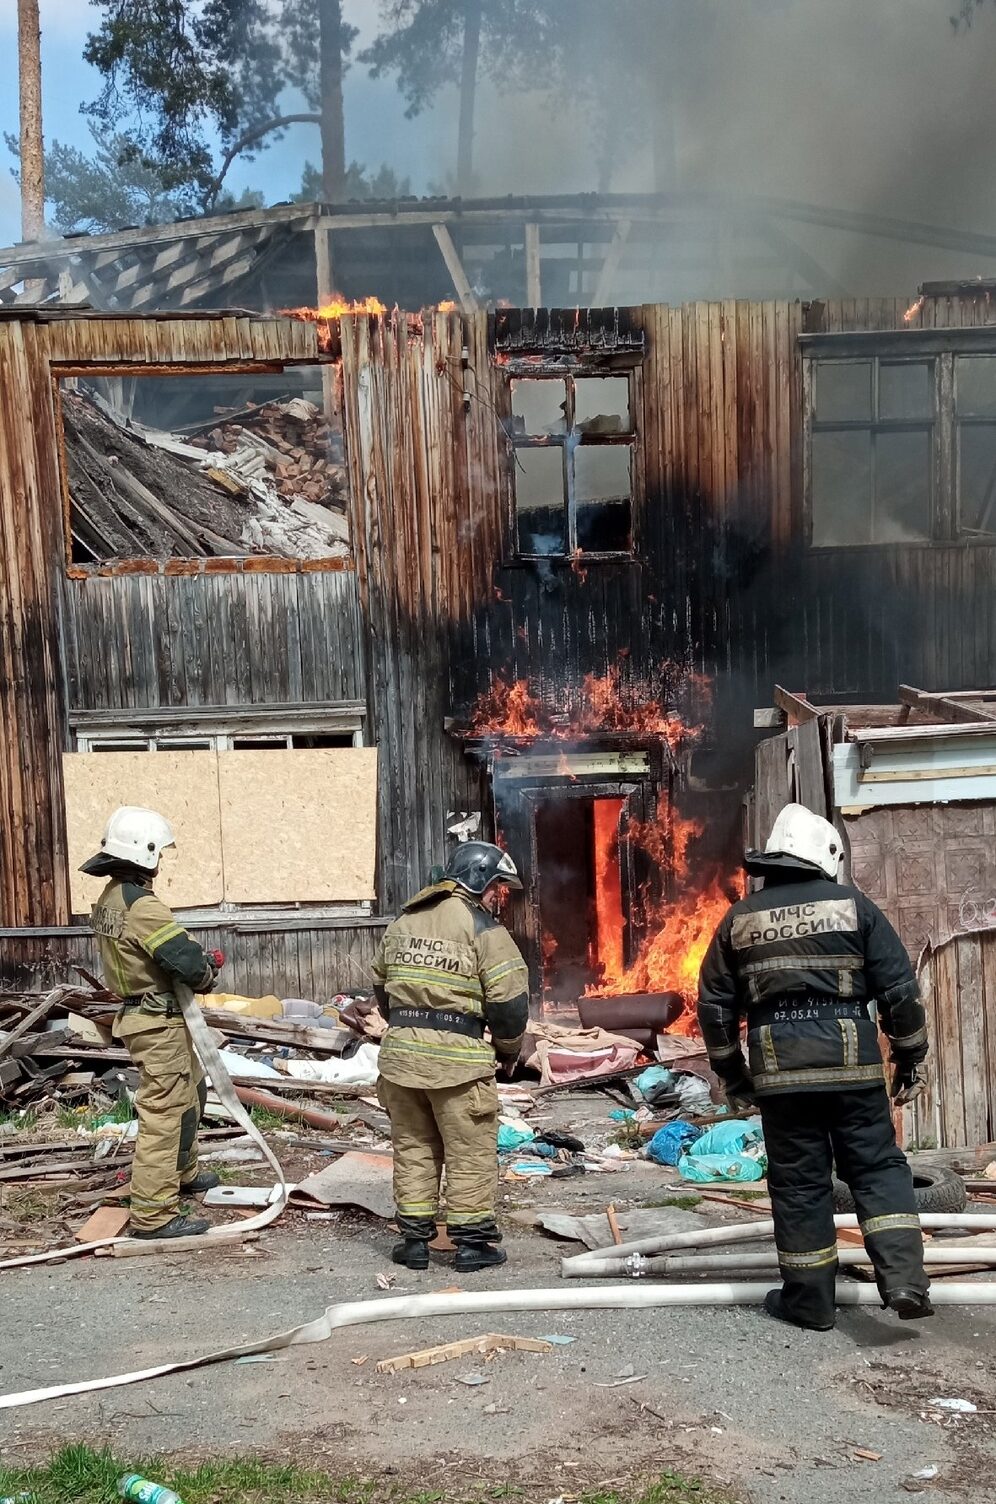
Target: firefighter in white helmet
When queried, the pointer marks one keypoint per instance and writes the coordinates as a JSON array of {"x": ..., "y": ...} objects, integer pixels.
[
  {"x": 802, "y": 960},
  {"x": 144, "y": 951}
]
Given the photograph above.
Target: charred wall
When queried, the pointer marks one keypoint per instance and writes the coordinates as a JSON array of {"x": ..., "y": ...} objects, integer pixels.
[{"x": 721, "y": 582}]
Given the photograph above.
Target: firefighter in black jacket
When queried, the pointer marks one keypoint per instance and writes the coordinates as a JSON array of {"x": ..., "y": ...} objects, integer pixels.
[{"x": 801, "y": 960}]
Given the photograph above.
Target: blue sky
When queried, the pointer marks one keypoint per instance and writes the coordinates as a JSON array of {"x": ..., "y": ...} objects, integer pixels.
[{"x": 375, "y": 122}]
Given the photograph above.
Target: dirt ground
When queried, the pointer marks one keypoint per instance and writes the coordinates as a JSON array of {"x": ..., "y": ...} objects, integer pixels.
[{"x": 776, "y": 1416}]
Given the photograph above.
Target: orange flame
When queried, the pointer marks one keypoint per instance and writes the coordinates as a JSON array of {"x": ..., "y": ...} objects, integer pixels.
[
  {"x": 509, "y": 708},
  {"x": 913, "y": 310},
  {"x": 679, "y": 928}
]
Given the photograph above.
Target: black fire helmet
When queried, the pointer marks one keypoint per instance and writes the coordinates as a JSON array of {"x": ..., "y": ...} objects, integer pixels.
[{"x": 475, "y": 865}]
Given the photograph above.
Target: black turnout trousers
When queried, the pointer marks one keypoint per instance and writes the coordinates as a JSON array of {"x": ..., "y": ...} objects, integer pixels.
[{"x": 805, "y": 1134}]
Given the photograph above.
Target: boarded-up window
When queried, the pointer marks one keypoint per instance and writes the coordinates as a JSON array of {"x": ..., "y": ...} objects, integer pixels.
[
  {"x": 975, "y": 412},
  {"x": 252, "y": 827},
  {"x": 573, "y": 475}
]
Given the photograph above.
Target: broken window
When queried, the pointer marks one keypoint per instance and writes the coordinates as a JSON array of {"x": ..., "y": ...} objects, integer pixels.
[
  {"x": 338, "y": 726},
  {"x": 165, "y": 466},
  {"x": 871, "y": 451},
  {"x": 573, "y": 475}
]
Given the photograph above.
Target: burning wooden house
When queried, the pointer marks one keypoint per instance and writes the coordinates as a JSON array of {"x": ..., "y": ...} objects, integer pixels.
[{"x": 582, "y": 547}]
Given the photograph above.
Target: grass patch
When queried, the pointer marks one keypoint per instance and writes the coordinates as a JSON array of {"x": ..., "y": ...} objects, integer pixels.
[
  {"x": 80, "y": 1475},
  {"x": 22, "y": 1122},
  {"x": 267, "y": 1121},
  {"x": 684, "y": 1203},
  {"x": 94, "y": 1114},
  {"x": 628, "y": 1136}
]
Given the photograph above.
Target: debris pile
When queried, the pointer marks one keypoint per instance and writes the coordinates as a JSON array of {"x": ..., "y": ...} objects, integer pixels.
[{"x": 269, "y": 480}]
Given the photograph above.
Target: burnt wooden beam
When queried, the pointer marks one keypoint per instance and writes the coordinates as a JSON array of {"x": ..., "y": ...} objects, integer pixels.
[
  {"x": 611, "y": 264},
  {"x": 951, "y": 710},
  {"x": 454, "y": 266},
  {"x": 796, "y": 707},
  {"x": 534, "y": 282}
]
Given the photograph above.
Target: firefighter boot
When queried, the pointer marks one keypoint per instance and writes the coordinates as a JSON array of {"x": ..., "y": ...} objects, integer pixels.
[
  {"x": 413, "y": 1253},
  {"x": 206, "y": 1180},
  {"x": 775, "y": 1306},
  {"x": 471, "y": 1257},
  {"x": 909, "y": 1305},
  {"x": 179, "y": 1227}
]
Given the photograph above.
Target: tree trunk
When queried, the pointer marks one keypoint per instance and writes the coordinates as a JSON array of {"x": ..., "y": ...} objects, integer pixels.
[
  {"x": 32, "y": 158},
  {"x": 468, "y": 95},
  {"x": 333, "y": 123}
]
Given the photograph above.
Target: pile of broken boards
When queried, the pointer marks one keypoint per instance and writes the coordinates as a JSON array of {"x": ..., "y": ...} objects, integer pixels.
[
  {"x": 67, "y": 1126},
  {"x": 268, "y": 480}
]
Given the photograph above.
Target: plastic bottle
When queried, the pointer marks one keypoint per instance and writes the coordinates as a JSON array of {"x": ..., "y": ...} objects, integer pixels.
[{"x": 142, "y": 1491}]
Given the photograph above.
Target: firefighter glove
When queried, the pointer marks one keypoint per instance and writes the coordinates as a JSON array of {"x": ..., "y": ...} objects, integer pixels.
[{"x": 907, "y": 1084}]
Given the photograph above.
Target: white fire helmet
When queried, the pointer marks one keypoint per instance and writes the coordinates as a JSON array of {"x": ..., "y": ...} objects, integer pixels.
[
  {"x": 798, "y": 833},
  {"x": 138, "y": 836}
]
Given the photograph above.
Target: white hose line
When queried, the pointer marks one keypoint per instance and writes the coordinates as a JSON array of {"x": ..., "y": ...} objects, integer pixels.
[
  {"x": 745, "y": 1232},
  {"x": 222, "y": 1083},
  {"x": 572, "y": 1298},
  {"x": 721, "y": 1263}
]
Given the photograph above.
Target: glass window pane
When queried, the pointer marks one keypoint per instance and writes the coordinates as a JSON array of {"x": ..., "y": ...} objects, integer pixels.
[
  {"x": 843, "y": 391},
  {"x": 601, "y": 404},
  {"x": 602, "y": 472},
  {"x": 902, "y": 487},
  {"x": 977, "y": 478},
  {"x": 841, "y": 474},
  {"x": 975, "y": 386},
  {"x": 602, "y": 491},
  {"x": 540, "y": 508},
  {"x": 538, "y": 407},
  {"x": 905, "y": 391}
]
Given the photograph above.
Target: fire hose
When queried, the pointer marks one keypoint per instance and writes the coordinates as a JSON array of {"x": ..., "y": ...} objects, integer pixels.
[
  {"x": 212, "y": 1062},
  {"x": 411, "y": 1307}
]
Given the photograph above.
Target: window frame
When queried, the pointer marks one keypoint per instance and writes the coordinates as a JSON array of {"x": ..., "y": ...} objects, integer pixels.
[
  {"x": 569, "y": 370},
  {"x": 943, "y": 347}
]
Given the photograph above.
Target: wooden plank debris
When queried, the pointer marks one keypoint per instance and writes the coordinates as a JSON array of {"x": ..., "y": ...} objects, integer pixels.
[{"x": 491, "y": 1342}]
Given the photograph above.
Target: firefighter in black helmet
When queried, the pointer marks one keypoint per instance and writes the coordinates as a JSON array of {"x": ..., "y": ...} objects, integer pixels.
[
  {"x": 802, "y": 960},
  {"x": 446, "y": 970}
]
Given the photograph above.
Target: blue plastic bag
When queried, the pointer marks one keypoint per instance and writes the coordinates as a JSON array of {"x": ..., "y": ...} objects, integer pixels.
[
  {"x": 669, "y": 1143},
  {"x": 513, "y": 1138},
  {"x": 655, "y": 1077},
  {"x": 732, "y": 1151}
]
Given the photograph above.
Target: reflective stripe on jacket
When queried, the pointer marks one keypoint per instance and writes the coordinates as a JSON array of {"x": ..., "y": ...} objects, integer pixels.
[
  {"x": 445, "y": 952},
  {"x": 801, "y": 960},
  {"x": 142, "y": 947}
]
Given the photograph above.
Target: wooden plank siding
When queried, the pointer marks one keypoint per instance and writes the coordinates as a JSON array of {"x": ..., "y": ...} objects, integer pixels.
[{"x": 959, "y": 982}]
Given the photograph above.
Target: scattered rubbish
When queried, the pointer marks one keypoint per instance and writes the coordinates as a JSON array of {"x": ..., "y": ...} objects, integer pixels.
[
  {"x": 494, "y": 1409},
  {"x": 105, "y": 1222},
  {"x": 633, "y": 1378},
  {"x": 359, "y": 1070},
  {"x": 727, "y": 1151},
  {"x": 866, "y": 1456},
  {"x": 670, "y": 1142},
  {"x": 558, "y": 1341},
  {"x": 622, "y": 1115},
  {"x": 261, "y": 1358},
  {"x": 956, "y": 1406},
  {"x": 359, "y": 1362},
  {"x": 655, "y": 1084},
  {"x": 244, "y": 1195},
  {"x": 491, "y": 1342},
  {"x": 356, "y": 1179},
  {"x": 530, "y": 1167},
  {"x": 385, "y": 1281},
  {"x": 926, "y": 1474},
  {"x": 472, "y": 1380},
  {"x": 513, "y": 1138},
  {"x": 143, "y": 1491},
  {"x": 639, "y": 1222}
]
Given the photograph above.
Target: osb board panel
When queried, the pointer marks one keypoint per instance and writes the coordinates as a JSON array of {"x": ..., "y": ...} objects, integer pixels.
[
  {"x": 299, "y": 826},
  {"x": 183, "y": 786}
]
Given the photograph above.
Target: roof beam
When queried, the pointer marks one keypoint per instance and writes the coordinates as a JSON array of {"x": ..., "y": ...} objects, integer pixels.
[
  {"x": 455, "y": 268},
  {"x": 611, "y": 264},
  {"x": 534, "y": 279}
]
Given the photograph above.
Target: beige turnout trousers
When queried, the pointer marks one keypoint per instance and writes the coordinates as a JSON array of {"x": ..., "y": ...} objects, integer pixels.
[
  {"x": 171, "y": 1093},
  {"x": 455, "y": 1125}
]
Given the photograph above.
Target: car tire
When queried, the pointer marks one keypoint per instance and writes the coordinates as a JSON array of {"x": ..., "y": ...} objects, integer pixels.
[{"x": 935, "y": 1189}]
